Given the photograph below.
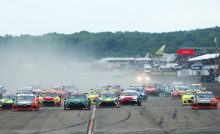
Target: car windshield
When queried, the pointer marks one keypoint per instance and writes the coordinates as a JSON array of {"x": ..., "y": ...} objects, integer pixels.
[
  {"x": 129, "y": 94},
  {"x": 204, "y": 95},
  {"x": 48, "y": 94},
  {"x": 107, "y": 96},
  {"x": 196, "y": 87},
  {"x": 25, "y": 98},
  {"x": 77, "y": 97}
]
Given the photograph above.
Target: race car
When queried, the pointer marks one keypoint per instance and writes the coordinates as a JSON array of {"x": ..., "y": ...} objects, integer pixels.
[
  {"x": 140, "y": 90},
  {"x": 60, "y": 90},
  {"x": 25, "y": 102},
  {"x": 7, "y": 100},
  {"x": 169, "y": 88},
  {"x": 178, "y": 91},
  {"x": 49, "y": 98},
  {"x": 151, "y": 89},
  {"x": 107, "y": 99},
  {"x": 130, "y": 97},
  {"x": 93, "y": 95},
  {"x": 205, "y": 100},
  {"x": 77, "y": 101},
  {"x": 186, "y": 98}
]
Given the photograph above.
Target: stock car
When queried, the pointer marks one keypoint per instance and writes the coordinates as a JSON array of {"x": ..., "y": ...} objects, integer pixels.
[
  {"x": 60, "y": 90},
  {"x": 25, "y": 102},
  {"x": 130, "y": 97},
  {"x": 49, "y": 98},
  {"x": 205, "y": 100},
  {"x": 77, "y": 101},
  {"x": 178, "y": 91},
  {"x": 106, "y": 99},
  {"x": 140, "y": 90},
  {"x": 94, "y": 93},
  {"x": 170, "y": 87},
  {"x": 186, "y": 98},
  {"x": 151, "y": 89},
  {"x": 7, "y": 100}
]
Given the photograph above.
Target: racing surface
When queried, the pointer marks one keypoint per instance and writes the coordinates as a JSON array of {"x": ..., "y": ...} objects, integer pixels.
[
  {"x": 157, "y": 115},
  {"x": 48, "y": 120}
]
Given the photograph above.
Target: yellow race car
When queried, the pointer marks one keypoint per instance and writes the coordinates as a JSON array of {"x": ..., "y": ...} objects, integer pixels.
[
  {"x": 93, "y": 95},
  {"x": 7, "y": 100},
  {"x": 187, "y": 98}
]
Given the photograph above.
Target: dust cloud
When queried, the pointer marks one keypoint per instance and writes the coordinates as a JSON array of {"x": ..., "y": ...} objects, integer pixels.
[
  {"x": 30, "y": 65},
  {"x": 22, "y": 65}
]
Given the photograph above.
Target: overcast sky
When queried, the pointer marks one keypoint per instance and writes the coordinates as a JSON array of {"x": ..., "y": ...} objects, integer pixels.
[{"x": 38, "y": 17}]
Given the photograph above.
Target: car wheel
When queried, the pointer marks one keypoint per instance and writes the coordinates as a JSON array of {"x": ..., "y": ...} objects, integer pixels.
[{"x": 138, "y": 103}]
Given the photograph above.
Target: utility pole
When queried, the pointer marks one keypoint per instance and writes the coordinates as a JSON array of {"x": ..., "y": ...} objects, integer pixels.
[{"x": 217, "y": 60}]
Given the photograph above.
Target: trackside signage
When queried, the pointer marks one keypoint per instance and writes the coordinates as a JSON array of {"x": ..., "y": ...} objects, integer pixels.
[{"x": 190, "y": 52}]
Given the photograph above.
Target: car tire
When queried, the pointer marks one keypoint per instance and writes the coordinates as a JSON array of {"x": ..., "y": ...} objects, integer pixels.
[{"x": 138, "y": 103}]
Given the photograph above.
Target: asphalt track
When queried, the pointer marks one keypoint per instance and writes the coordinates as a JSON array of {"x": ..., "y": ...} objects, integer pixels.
[{"x": 158, "y": 115}]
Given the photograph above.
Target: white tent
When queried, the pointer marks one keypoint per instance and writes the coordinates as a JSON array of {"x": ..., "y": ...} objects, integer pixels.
[{"x": 204, "y": 57}]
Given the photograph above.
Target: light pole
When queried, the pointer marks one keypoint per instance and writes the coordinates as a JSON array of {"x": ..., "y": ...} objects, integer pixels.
[{"x": 217, "y": 58}]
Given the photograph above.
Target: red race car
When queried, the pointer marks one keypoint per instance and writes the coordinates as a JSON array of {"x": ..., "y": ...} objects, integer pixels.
[
  {"x": 205, "y": 100},
  {"x": 178, "y": 91},
  {"x": 151, "y": 89},
  {"x": 60, "y": 90},
  {"x": 130, "y": 97},
  {"x": 49, "y": 98},
  {"x": 25, "y": 102}
]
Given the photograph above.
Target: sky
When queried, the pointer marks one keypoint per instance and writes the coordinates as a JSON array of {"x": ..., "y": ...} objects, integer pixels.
[{"x": 37, "y": 17}]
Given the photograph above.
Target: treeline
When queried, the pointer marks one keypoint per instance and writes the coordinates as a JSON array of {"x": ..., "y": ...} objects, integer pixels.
[{"x": 105, "y": 44}]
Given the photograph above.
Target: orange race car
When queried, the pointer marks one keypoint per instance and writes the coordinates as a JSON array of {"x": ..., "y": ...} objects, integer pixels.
[{"x": 25, "y": 102}]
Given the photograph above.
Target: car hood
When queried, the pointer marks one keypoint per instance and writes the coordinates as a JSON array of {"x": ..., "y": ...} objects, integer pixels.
[
  {"x": 23, "y": 102},
  {"x": 128, "y": 97},
  {"x": 74, "y": 100},
  {"x": 107, "y": 99},
  {"x": 204, "y": 100},
  {"x": 48, "y": 98},
  {"x": 151, "y": 89}
]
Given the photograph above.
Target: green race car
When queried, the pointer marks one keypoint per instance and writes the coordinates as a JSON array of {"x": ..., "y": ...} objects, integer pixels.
[
  {"x": 7, "y": 100},
  {"x": 106, "y": 99},
  {"x": 77, "y": 101}
]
